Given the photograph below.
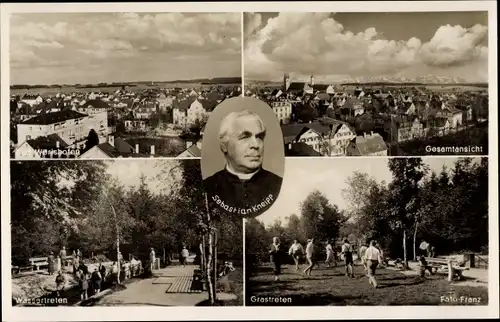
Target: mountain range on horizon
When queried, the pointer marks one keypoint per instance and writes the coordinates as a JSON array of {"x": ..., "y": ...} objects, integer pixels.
[{"x": 428, "y": 79}]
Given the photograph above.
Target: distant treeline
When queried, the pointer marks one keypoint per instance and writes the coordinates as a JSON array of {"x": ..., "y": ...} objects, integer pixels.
[
  {"x": 204, "y": 81},
  {"x": 99, "y": 85},
  {"x": 413, "y": 84},
  {"x": 210, "y": 81}
]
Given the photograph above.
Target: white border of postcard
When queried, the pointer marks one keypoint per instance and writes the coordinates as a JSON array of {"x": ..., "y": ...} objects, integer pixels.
[{"x": 237, "y": 313}]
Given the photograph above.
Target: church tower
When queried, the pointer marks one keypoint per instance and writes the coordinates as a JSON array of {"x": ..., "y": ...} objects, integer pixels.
[{"x": 286, "y": 82}]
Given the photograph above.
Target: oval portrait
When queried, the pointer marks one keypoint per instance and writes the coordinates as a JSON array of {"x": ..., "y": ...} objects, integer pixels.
[{"x": 242, "y": 157}]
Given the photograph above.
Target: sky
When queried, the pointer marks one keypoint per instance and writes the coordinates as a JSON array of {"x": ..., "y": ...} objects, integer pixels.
[
  {"x": 329, "y": 175},
  {"x": 85, "y": 48},
  {"x": 129, "y": 171},
  {"x": 340, "y": 46}
]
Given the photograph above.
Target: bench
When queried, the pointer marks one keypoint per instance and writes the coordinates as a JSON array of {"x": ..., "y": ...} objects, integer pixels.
[
  {"x": 446, "y": 265},
  {"x": 18, "y": 269},
  {"x": 39, "y": 262}
]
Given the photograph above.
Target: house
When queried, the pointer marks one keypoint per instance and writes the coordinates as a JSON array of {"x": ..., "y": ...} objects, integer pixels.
[
  {"x": 282, "y": 109},
  {"x": 51, "y": 146},
  {"x": 296, "y": 88},
  {"x": 454, "y": 115},
  {"x": 114, "y": 148},
  {"x": 300, "y": 149},
  {"x": 407, "y": 129},
  {"x": 187, "y": 111},
  {"x": 314, "y": 137},
  {"x": 25, "y": 111},
  {"x": 192, "y": 150},
  {"x": 440, "y": 125},
  {"x": 276, "y": 93},
  {"x": 136, "y": 125},
  {"x": 164, "y": 102},
  {"x": 32, "y": 100},
  {"x": 367, "y": 144},
  {"x": 144, "y": 109},
  {"x": 322, "y": 88},
  {"x": 71, "y": 126},
  {"x": 353, "y": 107},
  {"x": 97, "y": 111},
  {"x": 340, "y": 137}
]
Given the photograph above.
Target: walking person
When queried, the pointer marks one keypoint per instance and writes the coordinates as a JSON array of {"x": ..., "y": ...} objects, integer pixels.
[
  {"x": 184, "y": 256},
  {"x": 51, "y": 260},
  {"x": 152, "y": 259},
  {"x": 309, "y": 256},
  {"x": 83, "y": 283},
  {"x": 60, "y": 283},
  {"x": 330, "y": 254},
  {"x": 348, "y": 258},
  {"x": 58, "y": 263},
  {"x": 296, "y": 251},
  {"x": 62, "y": 254},
  {"x": 96, "y": 281},
  {"x": 361, "y": 255},
  {"x": 373, "y": 258},
  {"x": 276, "y": 254},
  {"x": 115, "y": 273}
]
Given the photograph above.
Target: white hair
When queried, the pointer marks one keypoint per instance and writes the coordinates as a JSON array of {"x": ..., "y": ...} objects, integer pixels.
[{"x": 226, "y": 125}]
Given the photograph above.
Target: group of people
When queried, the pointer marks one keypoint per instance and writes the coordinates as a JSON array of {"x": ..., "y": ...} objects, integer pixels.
[
  {"x": 57, "y": 263},
  {"x": 89, "y": 282},
  {"x": 370, "y": 256}
]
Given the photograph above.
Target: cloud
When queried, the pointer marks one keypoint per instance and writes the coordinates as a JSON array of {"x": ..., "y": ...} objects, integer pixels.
[
  {"x": 252, "y": 22},
  {"x": 305, "y": 43},
  {"x": 37, "y": 39},
  {"x": 455, "y": 45}
]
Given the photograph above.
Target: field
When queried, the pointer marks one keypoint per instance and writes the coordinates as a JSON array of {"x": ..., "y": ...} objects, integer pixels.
[
  {"x": 49, "y": 92},
  {"x": 329, "y": 286}
]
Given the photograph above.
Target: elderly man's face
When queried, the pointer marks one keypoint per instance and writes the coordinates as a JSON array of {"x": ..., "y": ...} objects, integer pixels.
[{"x": 245, "y": 146}]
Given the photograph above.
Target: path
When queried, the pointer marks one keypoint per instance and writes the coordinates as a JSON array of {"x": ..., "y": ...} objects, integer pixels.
[{"x": 170, "y": 286}]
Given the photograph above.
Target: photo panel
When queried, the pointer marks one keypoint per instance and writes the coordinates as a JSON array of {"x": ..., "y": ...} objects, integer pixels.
[
  {"x": 372, "y": 83},
  {"x": 109, "y": 85},
  {"x": 164, "y": 159},
  {"x": 373, "y": 231},
  {"x": 243, "y": 159},
  {"x": 125, "y": 233}
]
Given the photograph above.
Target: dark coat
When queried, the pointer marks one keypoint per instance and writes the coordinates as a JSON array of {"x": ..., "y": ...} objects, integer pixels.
[{"x": 243, "y": 198}]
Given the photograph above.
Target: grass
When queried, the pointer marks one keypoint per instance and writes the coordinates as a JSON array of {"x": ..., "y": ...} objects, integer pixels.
[{"x": 329, "y": 286}]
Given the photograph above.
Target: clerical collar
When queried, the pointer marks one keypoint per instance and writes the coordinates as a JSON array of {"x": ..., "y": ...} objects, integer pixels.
[{"x": 241, "y": 176}]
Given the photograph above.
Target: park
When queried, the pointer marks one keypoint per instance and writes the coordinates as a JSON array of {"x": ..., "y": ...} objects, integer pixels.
[
  {"x": 431, "y": 229},
  {"x": 110, "y": 233}
]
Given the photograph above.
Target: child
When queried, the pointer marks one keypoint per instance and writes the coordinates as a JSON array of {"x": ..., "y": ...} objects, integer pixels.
[
  {"x": 424, "y": 266},
  {"x": 60, "y": 283}
]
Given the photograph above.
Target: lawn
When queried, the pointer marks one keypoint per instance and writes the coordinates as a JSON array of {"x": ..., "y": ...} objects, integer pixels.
[{"x": 329, "y": 286}]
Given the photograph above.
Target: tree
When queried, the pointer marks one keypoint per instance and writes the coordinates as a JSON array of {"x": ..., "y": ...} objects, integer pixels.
[
  {"x": 120, "y": 127},
  {"x": 357, "y": 192},
  {"x": 202, "y": 217},
  {"x": 294, "y": 228},
  {"x": 47, "y": 200},
  {"x": 92, "y": 140},
  {"x": 320, "y": 219},
  {"x": 404, "y": 198}
]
